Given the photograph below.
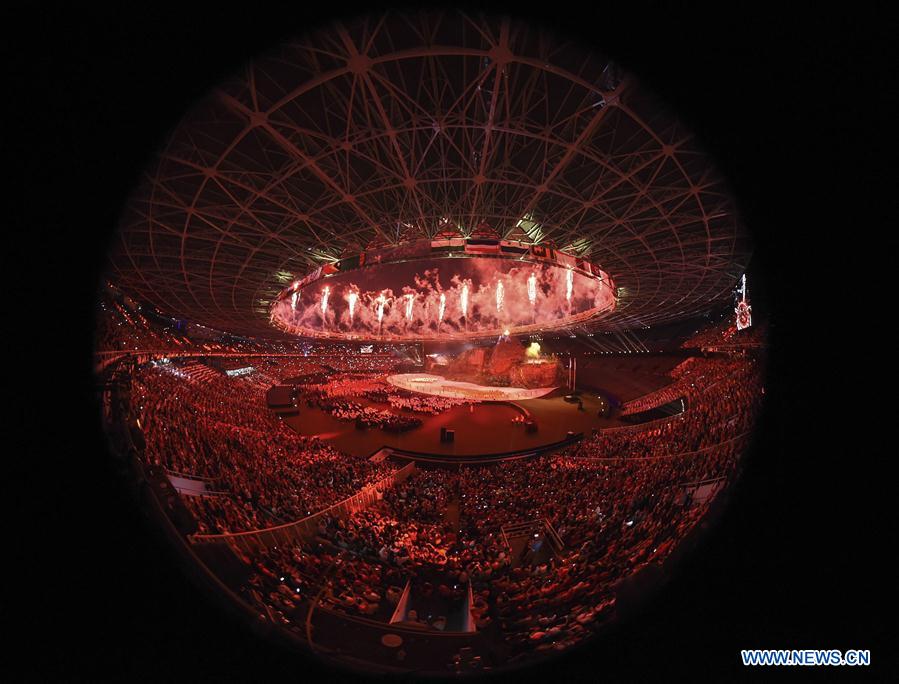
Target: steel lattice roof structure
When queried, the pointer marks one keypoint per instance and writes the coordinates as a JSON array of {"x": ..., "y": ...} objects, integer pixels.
[{"x": 398, "y": 127}]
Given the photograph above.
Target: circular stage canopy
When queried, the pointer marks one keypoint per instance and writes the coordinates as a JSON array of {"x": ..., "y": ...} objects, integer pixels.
[
  {"x": 401, "y": 128},
  {"x": 445, "y": 289}
]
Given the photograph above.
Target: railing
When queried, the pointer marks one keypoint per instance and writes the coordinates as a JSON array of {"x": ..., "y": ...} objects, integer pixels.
[
  {"x": 307, "y": 527},
  {"x": 527, "y": 528},
  {"x": 653, "y": 400},
  {"x": 699, "y": 483},
  {"x": 711, "y": 487},
  {"x": 485, "y": 458},
  {"x": 216, "y": 492},
  {"x": 190, "y": 476},
  {"x": 411, "y": 630},
  {"x": 520, "y": 529},
  {"x": 469, "y": 625},
  {"x": 553, "y": 536},
  {"x": 636, "y": 427}
]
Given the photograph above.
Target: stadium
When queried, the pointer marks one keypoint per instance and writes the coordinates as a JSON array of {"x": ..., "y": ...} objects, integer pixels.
[{"x": 430, "y": 339}]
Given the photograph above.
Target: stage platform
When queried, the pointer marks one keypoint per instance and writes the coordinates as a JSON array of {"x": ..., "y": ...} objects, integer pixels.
[
  {"x": 484, "y": 429},
  {"x": 437, "y": 385}
]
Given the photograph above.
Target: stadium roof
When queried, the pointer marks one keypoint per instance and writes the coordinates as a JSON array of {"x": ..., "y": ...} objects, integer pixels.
[{"x": 401, "y": 126}]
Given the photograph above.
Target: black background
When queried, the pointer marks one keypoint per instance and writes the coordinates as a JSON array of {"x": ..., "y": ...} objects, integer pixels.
[{"x": 794, "y": 106}]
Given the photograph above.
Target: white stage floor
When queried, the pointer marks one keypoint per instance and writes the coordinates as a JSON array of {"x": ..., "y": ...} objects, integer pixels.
[{"x": 437, "y": 385}]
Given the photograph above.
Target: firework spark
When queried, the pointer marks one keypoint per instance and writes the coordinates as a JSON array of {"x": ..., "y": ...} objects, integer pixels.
[
  {"x": 492, "y": 300},
  {"x": 351, "y": 301},
  {"x": 382, "y": 300}
]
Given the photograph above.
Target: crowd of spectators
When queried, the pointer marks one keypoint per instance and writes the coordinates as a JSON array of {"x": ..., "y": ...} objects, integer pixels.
[
  {"x": 367, "y": 416},
  {"x": 404, "y": 400},
  {"x": 124, "y": 328},
  {"x": 220, "y": 429},
  {"x": 335, "y": 396},
  {"x": 619, "y": 502},
  {"x": 721, "y": 406},
  {"x": 405, "y": 536},
  {"x": 425, "y": 403},
  {"x": 124, "y": 325},
  {"x": 725, "y": 334},
  {"x": 614, "y": 518}
]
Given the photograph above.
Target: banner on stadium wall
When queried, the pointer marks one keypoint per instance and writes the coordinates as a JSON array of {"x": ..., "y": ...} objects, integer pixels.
[
  {"x": 542, "y": 252},
  {"x": 507, "y": 247},
  {"x": 449, "y": 245},
  {"x": 479, "y": 246}
]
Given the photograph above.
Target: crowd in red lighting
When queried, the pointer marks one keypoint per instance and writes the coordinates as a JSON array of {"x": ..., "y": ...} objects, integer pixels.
[
  {"x": 220, "y": 430},
  {"x": 614, "y": 519},
  {"x": 725, "y": 333},
  {"x": 334, "y": 397},
  {"x": 718, "y": 392},
  {"x": 617, "y": 502},
  {"x": 121, "y": 328},
  {"x": 421, "y": 403},
  {"x": 124, "y": 326}
]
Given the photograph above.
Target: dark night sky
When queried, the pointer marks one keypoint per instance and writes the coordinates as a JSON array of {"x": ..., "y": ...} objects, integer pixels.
[{"x": 792, "y": 103}]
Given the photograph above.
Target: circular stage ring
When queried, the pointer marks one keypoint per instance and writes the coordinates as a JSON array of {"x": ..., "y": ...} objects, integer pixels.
[{"x": 438, "y": 386}]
